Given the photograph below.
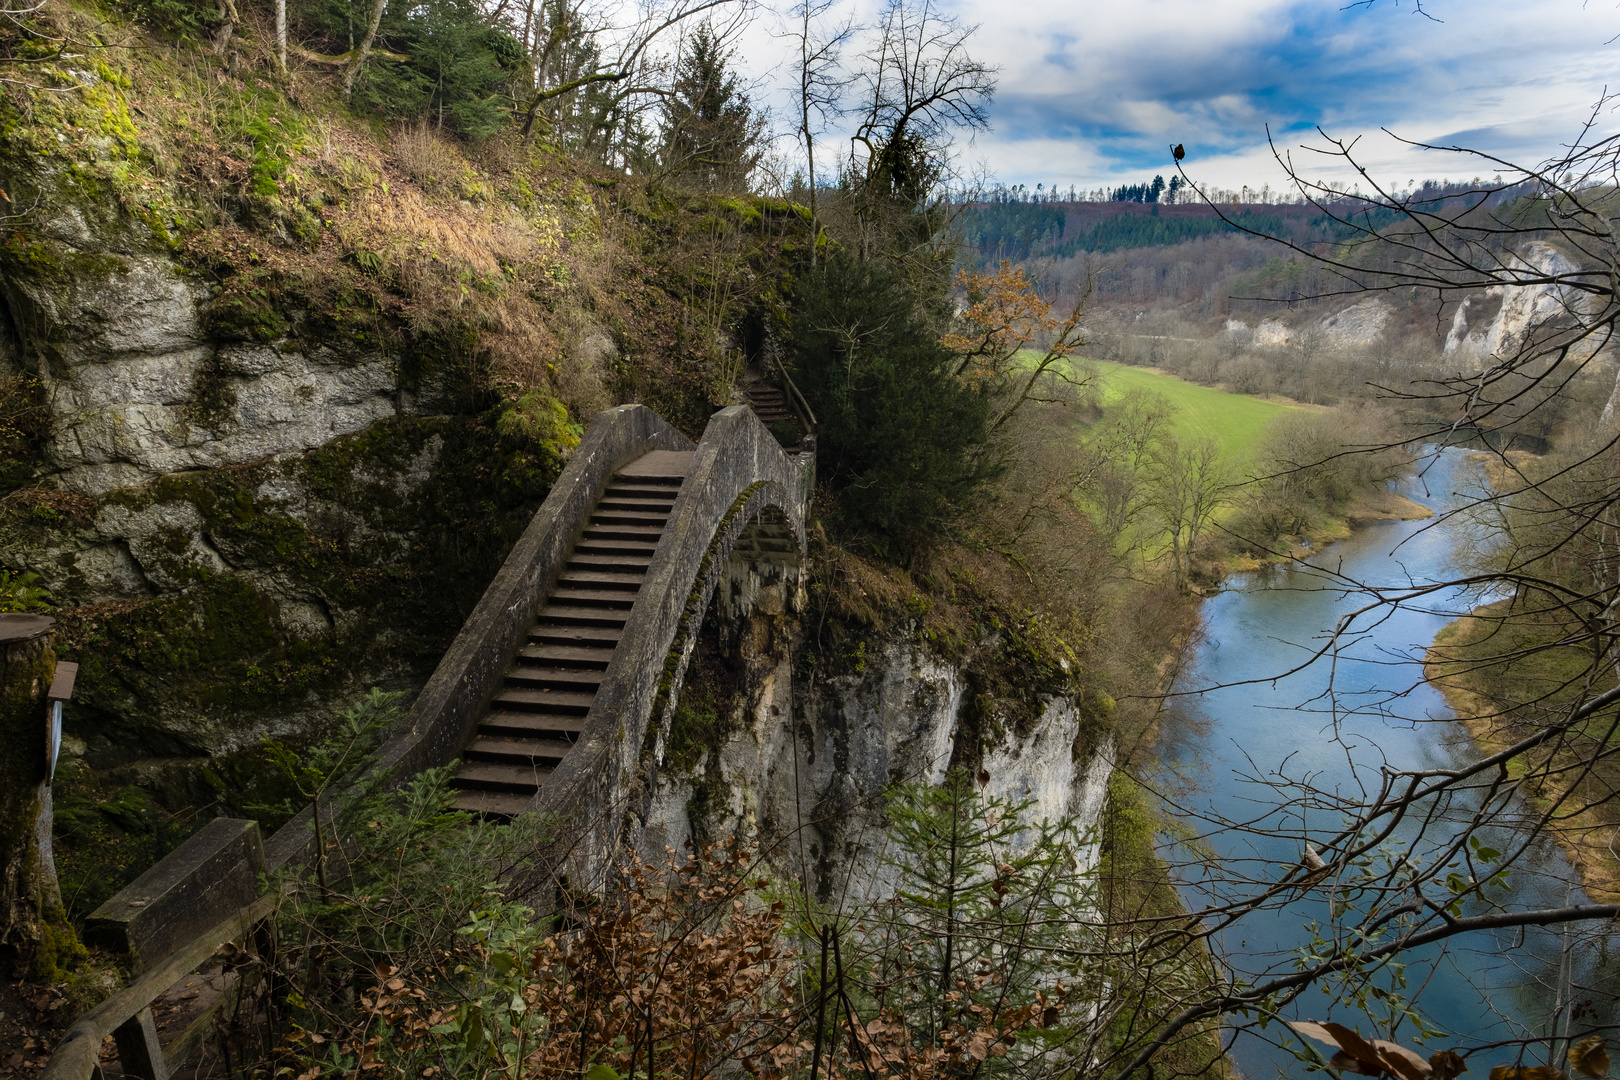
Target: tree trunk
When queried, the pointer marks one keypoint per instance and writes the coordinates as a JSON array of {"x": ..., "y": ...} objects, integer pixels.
[
  {"x": 34, "y": 933},
  {"x": 358, "y": 60},
  {"x": 281, "y": 35}
]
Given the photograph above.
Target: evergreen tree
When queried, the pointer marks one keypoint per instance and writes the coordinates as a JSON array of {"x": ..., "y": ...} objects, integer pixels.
[
  {"x": 711, "y": 134},
  {"x": 992, "y": 926},
  {"x": 460, "y": 70},
  {"x": 900, "y": 436}
]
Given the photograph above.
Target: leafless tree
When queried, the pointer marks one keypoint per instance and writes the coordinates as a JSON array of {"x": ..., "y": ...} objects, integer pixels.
[
  {"x": 1408, "y": 862},
  {"x": 1188, "y": 482},
  {"x": 916, "y": 85},
  {"x": 820, "y": 89}
]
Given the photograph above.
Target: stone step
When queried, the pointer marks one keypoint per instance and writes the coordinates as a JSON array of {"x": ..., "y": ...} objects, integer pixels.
[
  {"x": 629, "y": 566},
  {"x": 619, "y": 505},
  {"x": 497, "y": 749},
  {"x": 568, "y": 615},
  {"x": 628, "y": 580},
  {"x": 644, "y": 533},
  {"x": 498, "y": 805},
  {"x": 641, "y": 548},
  {"x": 556, "y": 702},
  {"x": 503, "y": 724},
  {"x": 549, "y": 676},
  {"x": 593, "y": 598},
  {"x": 573, "y": 657},
  {"x": 487, "y": 775},
  {"x": 573, "y": 636},
  {"x": 667, "y": 466},
  {"x": 625, "y": 517},
  {"x": 640, "y": 489}
]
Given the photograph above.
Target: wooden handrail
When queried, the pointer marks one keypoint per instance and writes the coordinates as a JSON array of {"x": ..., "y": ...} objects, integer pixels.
[
  {"x": 795, "y": 398},
  {"x": 76, "y": 1056}
]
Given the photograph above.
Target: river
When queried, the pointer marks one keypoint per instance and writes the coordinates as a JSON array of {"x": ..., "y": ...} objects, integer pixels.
[{"x": 1337, "y": 724}]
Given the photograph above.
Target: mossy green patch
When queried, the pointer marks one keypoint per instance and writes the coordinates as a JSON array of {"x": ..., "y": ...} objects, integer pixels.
[
  {"x": 108, "y": 831},
  {"x": 396, "y": 533}
]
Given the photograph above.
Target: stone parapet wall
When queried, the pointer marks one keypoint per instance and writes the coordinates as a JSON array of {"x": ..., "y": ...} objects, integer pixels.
[
  {"x": 739, "y": 474},
  {"x": 446, "y": 713}
]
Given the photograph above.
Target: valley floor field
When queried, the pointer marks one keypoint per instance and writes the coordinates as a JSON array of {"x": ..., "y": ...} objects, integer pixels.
[{"x": 1236, "y": 422}]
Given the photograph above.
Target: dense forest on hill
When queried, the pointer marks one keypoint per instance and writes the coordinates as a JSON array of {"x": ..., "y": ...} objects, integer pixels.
[{"x": 1014, "y": 224}]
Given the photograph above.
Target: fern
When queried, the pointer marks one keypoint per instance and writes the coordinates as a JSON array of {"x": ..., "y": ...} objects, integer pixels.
[{"x": 20, "y": 591}]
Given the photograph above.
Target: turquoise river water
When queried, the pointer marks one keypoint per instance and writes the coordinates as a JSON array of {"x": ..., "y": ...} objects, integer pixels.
[{"x": 1335, "y": 724}]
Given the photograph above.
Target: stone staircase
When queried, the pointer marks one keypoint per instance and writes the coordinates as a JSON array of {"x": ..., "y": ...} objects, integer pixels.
[
  {"x": 538, "y": 714},
  {"x": 770, "y": 404}
]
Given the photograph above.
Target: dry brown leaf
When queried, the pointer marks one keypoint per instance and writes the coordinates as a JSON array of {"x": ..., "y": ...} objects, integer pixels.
[
  {"x": 1526, "y": 1072},
  {"x": 1345, "y": 1063},
  {"x": 1401, "y": 1061},
  {"x": 1447, "y": 1064},
  {"x": 1342, "y": 1038},
  {"x": 1590, "y": 1057}
]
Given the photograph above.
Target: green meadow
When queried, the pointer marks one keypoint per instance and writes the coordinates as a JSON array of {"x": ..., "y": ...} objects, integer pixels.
[{"x": 1236, "y": 422}]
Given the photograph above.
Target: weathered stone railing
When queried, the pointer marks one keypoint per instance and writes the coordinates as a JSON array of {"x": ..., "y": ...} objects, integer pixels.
[{"x": 741, "y": 475}]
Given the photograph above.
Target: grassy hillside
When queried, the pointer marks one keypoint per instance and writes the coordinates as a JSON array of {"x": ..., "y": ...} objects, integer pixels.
[{"x": 1235, "y": 421}]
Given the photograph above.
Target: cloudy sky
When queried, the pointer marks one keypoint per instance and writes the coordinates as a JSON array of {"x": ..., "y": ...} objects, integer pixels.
[{"x": 1093, "y": 93}]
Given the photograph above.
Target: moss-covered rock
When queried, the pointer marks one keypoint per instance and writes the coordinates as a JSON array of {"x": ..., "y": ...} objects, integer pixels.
[{"x": 253, "y": 597}]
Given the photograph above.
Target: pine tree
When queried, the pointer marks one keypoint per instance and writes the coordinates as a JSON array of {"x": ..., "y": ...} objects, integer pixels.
[
  {"x": 711, "y": 134},
  {"x": 989, "y": 930}
]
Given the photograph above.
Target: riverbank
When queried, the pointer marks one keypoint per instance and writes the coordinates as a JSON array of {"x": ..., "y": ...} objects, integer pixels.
[
  {"x": 1462, "y": 664},
  {"x": 1367, "y": 508}
]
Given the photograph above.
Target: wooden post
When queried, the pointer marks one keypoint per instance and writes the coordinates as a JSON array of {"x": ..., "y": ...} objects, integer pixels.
[
  {"x": 34, "y": 932},
  {"x": 139, "y": 1050}
]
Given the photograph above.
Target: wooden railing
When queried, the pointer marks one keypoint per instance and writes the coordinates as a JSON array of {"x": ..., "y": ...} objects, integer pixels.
[
  {"x": 127, "y": 1015},
  {"x": 796, "y": 400}
]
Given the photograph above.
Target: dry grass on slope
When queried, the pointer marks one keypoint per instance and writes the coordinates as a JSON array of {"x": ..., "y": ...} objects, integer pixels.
[{"x": 490, "y": 267}]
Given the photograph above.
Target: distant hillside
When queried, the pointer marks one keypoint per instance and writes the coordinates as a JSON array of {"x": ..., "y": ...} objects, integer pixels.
[
  {"x": 1017, "y": 227},
  {"x": 1018, "y": 231}
]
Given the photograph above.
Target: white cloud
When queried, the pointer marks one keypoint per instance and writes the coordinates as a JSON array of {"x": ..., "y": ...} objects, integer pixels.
[{"x": 1094, "y": 95}]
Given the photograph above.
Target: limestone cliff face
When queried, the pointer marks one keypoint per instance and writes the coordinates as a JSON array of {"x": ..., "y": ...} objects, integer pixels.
[
  {"x": 1500, "y": 322},
  {"x": 241, "y": 521},
  {"x": 803, "y": 764},
  {"x": 138, "y": 387},
  {"x": 1355, "y": 327}
]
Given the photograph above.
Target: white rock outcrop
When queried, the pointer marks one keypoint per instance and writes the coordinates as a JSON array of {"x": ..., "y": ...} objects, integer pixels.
[
  {"x": 1504, "y": 321},
  {"x": 1357, "y": 326},
  {"x": 1272, "y": 334},
  {"x": 817, "y": 785}
]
